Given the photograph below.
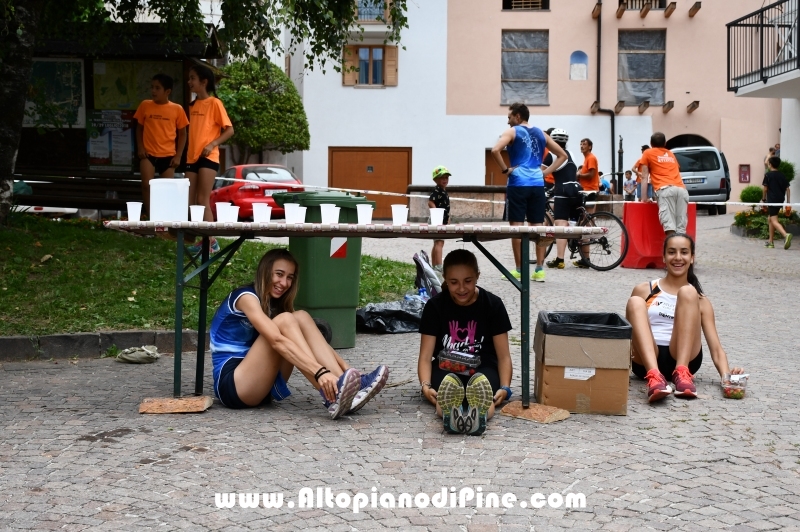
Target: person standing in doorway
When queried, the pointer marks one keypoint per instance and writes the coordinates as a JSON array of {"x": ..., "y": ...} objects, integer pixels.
[{"x": 660, "y": 165}]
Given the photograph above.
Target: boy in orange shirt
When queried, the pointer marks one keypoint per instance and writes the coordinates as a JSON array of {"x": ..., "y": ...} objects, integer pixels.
[
  {"x": 660, "y": 165},
  {"x": 160, "y": 121},
  {"x": 587, "y": 172}
]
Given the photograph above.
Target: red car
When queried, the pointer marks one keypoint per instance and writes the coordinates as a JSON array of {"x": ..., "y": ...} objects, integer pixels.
[{"x": 251, "y": 186}]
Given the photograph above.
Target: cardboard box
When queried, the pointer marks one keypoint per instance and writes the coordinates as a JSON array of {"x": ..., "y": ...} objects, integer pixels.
[{"x": 578, "y": 371}]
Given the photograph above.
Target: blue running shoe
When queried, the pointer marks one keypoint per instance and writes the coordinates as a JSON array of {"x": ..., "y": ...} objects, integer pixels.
[
  {"x": 371, "y": 384},
  {"x": 349, "y": 384}
]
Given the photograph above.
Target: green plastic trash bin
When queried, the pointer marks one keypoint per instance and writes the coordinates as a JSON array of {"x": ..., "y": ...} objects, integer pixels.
[{"x": 330, "y": 268}]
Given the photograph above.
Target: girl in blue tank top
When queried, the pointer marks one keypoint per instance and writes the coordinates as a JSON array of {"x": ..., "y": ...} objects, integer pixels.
[{"x": 257, "y": 339}]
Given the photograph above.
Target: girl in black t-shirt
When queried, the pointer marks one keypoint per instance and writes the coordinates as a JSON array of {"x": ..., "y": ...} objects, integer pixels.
[{"x": 465, "y": 319}]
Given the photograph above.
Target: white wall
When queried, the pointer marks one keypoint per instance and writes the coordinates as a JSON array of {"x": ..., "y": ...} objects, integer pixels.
[
  {"x": 413, "y": 114},
  {"x": 790, "y": 130}
]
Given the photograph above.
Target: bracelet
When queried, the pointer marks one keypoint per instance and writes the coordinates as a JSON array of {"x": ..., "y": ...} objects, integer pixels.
[
  {"x": 424, "y": 384},
  {"x": 508, "y": 392},
  {"x": 320, "y": 372}
]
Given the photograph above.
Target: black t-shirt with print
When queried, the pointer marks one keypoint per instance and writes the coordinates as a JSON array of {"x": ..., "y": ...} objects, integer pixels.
[
  {"x": 440, "y": 198},
  {"x": 776, "y": 184},
  {"x": 467, "y": 329}
]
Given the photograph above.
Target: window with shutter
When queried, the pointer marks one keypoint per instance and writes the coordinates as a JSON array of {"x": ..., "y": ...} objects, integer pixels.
[
  {"x": 641, "y": 66},
  {"x": 390, "y": 65},
  {"x": 349, "y": 64},
  {"x": 524, "y": 66},
  {"x": 376, "y": 66}
]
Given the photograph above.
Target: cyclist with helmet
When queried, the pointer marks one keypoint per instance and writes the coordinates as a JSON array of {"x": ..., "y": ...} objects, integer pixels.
[
  {"x": 567, "y": 194},
  {"x": 439, "y": 200}
]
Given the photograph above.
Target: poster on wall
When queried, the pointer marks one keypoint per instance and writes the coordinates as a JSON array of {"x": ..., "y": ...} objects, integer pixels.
[
  {"x": 58, "y": 86},
  {"x": 122, "y": 85},
  {"x": 110, "y": 140}
]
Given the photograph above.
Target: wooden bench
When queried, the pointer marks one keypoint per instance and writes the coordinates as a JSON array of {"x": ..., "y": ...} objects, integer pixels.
[{"x": 88, "y": 190}]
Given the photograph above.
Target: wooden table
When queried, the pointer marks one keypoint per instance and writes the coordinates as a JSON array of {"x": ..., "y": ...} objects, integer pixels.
[{"x": 242, "y": 231}]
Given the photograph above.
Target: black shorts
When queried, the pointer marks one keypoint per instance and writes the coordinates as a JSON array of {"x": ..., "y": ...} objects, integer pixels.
[
  {"x": 226, "y": 387},
  {"x": 566, "y": 208},
  {"x": 202, "y": 162},
  {"x": 161, "y": 164},
  {"x": 773, "y": 211},
  {"x": 526, "y": 203},
  {"x": 437, "y": 374},
  {"x": 667, "y": 364}
]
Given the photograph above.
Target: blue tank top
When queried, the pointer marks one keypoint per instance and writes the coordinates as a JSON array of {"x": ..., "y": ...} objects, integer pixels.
[
  {"x": 231, "y": 332},
  {"x": 520, "y": 155}
]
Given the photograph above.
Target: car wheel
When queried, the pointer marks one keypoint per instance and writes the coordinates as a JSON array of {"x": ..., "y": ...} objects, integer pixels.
[
  {"x": 712, "y": 210},
  {"x": 722, "y": 209}
]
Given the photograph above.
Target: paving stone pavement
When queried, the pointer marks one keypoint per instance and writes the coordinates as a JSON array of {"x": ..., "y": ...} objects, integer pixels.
[{"x": 76, "y": 455}]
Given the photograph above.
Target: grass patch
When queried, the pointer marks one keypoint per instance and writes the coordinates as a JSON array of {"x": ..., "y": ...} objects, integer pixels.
[{"x": 97, "y": 280}]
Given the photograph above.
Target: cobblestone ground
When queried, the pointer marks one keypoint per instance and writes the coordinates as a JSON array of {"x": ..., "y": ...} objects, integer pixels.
[{"x": 76, "y": 455}]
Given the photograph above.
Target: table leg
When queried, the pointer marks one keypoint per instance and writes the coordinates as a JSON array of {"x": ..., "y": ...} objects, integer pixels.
[
  {"x": 201, "y": 325},
  {"x": 525, "y": 337},
  {"x": 176, "y": 378}
]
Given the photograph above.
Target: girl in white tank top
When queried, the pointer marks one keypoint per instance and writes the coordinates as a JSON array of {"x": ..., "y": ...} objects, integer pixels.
[{"x": 661, "y": 313}]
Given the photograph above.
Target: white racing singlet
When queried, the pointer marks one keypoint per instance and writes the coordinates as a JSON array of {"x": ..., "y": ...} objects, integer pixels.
[{"x": 661, "y": 313}]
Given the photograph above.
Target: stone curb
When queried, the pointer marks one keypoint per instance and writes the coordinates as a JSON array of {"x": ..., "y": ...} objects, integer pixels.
[{"x": 90, "y": 345}]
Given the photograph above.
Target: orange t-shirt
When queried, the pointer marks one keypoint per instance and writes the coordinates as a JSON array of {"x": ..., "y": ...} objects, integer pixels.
[
  {"x": 207, "y": 117},
  {"x": 589, "y": 162},
  {"x": 161, "y": 123},
  {"x": 663, "y": 167},
  {"x": 637, "y": 168}
]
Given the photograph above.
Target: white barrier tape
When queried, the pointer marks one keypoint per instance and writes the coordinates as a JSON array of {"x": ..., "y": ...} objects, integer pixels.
[{"x": 470, "y": 200}]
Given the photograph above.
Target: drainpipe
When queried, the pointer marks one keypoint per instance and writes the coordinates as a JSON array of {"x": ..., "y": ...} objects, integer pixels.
[{"x": 609, "y": 112}]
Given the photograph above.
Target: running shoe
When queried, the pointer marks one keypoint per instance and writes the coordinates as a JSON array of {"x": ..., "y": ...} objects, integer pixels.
[
  {"x": 583, "y": 263},
  {"x": 684, "y": 383},
  {"x": 538, "y": 276},
  {"x": 657, "y": 387},
  {"x": 769, "y": 245},
  {"x": 788, "y": 242},
  {"x": 479, "y": 397},
  {"x": 516, "y": 275},
  {"x": 197, "y": 248},
  {"x": 349, "y": 384},
  {"x": 371, "y": 384},
  {"x": 556, "y": 263},
  {"x": 450, "y": 395},
  {"x": 470, "y": 420}
]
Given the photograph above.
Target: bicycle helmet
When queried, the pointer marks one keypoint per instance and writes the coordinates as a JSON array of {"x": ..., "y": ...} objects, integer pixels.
[{"x": 559, "y": 135}]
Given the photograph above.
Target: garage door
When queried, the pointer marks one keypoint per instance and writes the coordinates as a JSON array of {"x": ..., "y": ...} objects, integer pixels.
[{"x": 383, "y": 169}]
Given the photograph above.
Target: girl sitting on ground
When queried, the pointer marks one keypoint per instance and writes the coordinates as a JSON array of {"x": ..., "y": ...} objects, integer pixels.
[
  {"x": 257, "y": 339},
  {"x": 667, "y": 316},
  {"x": 464, "y": 319}
]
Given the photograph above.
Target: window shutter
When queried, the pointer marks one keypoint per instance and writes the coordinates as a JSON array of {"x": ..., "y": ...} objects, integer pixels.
[
  {"x": 350, "y": 60},
  {"x": 390, "y": 66}
]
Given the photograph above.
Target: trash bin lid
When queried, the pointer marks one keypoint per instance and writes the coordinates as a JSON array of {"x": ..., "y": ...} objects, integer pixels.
[{"x": 315, "y": 199}]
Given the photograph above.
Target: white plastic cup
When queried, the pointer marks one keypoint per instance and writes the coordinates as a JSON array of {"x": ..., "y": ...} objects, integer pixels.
[
  {"x": 232, "y": 214},
  {"x": 134, "y": 211},
  {"x": 222, "y": 210},
  {"x": 437, "y": 216},
  {"x": 399, "y": 214},
  {"x": 330, "y": 213},
  {"x": 573, "y": 223},
  {"x": 261, "y": 213},
  {"x": 364, "y": 213},
  {"x": 295, "y": 214},
  {"x": 197, "y": 212}
]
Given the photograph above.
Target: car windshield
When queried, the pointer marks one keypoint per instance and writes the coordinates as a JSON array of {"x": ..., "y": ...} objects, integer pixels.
[
  {"x": 697, "y": 161},
  {"x": 268, "y": 173}
]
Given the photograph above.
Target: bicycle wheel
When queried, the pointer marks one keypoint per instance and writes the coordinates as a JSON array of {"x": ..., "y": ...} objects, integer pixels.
[
  {"x": 548, "y": 220},
  {"x": 606, "y": 251}
]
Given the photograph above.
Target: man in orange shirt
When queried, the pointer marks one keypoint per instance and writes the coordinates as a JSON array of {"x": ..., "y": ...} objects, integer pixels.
[
  {"x": 660, "y": 165},
  {"x": 587, "y": 172},
  {"x": 637, "y": 169}
]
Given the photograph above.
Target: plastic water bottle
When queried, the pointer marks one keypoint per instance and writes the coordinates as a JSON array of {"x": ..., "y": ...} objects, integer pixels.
[{"x": 423, "y": 293}]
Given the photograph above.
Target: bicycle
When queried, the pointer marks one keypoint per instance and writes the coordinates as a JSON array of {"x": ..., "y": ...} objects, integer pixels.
[{"x": 605, "y": 252}]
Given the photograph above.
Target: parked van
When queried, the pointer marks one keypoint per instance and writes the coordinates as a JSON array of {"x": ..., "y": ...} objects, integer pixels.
[{"x": 705, "y": 174}]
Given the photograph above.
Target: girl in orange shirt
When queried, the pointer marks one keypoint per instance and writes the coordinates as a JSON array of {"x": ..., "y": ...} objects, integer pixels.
[{"x": 209, "y": 126}]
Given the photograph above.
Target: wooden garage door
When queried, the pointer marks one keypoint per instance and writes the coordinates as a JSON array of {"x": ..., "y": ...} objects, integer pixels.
[{"x": 383, "y": 169}]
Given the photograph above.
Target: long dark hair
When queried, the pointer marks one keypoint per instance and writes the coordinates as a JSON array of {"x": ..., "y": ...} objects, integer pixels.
[
  {"x": 263, "y": 283},
  {"x": 460, "y": 257},
  {"x": 205, "y": 73},
  {"x": 690, "y": 276}
]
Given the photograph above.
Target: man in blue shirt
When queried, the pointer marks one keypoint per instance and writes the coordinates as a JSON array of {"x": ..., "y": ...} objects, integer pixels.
[{"x": 525, "y": 188}]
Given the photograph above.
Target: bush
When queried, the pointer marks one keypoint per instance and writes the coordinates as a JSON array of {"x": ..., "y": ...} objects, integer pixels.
[
  {"x": 787, "y": 169},
  {"x": 751, "y": 194}
]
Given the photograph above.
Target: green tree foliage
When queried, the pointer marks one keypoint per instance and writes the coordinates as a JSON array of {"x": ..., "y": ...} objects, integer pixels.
[
  {"x": 751, "y": 194},
  {"x": 265, "y": 108}
]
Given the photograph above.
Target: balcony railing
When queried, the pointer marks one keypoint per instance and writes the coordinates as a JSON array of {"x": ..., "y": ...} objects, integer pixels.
[
  {"x": 526, "y": 5},
  {"x": 637, "y": 5},
  {"x": 763, "y": 44}
]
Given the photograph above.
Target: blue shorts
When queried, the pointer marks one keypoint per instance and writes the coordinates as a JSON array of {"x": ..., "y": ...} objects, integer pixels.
[
  {"x": 526, "y": 203},
  {"x": 226, "y": 387},
  {"x": 649, "y": 189}
]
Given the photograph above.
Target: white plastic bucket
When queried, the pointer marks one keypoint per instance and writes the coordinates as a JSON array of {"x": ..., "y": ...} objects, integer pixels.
[{"x": 169, "y": 200}]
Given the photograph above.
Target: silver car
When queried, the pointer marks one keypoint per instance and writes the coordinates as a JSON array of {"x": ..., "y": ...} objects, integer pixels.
[{"x": 705, "y": 174}]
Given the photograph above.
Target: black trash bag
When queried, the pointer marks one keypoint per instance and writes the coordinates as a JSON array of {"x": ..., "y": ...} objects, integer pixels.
[
  {"x": 585, "y": 324},
  {"x": 393, "y": 317}
]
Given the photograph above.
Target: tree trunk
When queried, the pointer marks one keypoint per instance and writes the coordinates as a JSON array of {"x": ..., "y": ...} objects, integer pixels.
[{"x": 15, "y": 75}]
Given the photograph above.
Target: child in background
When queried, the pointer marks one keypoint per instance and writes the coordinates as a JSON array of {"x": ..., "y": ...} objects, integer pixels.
[
  {"x": 629, "y": 186},
  {"x": 210, "y": 127},
  {"x": 776, "y": 190},
  {"x": 160, "y": 121},
  {"x": 439, "y": 200}
]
